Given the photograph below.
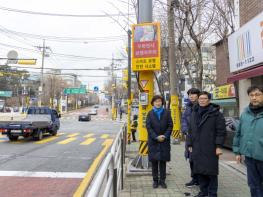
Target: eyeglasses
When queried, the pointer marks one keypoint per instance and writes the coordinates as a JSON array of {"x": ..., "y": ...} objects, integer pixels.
[
  {"x": 255, "y": 95},
  {"x": 203, "y": 98}
]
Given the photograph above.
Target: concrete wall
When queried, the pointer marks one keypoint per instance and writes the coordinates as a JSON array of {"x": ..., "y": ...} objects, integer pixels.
[
  {"x": 222, "y": 63},
  {"x": 243, "y": 97}
]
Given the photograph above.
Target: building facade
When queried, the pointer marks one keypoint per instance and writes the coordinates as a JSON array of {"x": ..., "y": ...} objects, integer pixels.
[{"x": 246, "y": 49}]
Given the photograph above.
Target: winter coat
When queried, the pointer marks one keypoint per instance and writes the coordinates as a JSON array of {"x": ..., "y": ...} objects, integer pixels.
[
  {"x": 248, "y": 139},
  {"x": 204, "y": 137},
  {"x": 186, "y": 118},
  {"x": 159, "y": 151},
  {"x": 185, "y": 122}
]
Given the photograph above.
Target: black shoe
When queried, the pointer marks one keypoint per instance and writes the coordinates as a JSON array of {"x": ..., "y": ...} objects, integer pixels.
[
  {"x": 191, "y": 183},
  {"x": 163, "y": 185},
  {"x": 155, "y": 184},
  {"x": 200, "y": 194}
]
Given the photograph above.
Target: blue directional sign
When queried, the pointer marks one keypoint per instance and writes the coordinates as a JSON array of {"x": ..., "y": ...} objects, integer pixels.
[{"x": 96, "y": 88}]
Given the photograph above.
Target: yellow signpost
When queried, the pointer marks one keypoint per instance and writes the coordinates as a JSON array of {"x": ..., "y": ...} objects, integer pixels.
[{"x": 146, "y": 55}]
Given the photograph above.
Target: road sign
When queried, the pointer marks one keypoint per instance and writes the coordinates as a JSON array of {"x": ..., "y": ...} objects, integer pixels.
[
  {"x": 96, "y": 88},
  {"x": 68, "y": 91},
  {"x": 146, "y": 50},
  {"x": 6, "y": 93},
  {"x": 144, "y": 83}
]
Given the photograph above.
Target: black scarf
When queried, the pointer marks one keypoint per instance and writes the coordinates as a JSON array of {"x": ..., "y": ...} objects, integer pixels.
[{"x": 256, "y": 109}]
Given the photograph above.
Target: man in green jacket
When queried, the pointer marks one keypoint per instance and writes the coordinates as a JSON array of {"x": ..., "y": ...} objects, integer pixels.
[{"x": 248, "y": 140}]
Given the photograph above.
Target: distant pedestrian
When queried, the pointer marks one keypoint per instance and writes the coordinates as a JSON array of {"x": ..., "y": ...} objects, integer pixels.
[
  {"x": 134, "y": 126},
  {"x": 248, "y": 140},
  {"x": 206, "y": 136},
  {"x": 193, "y": 94},
  {"x": 120, "y": 112},
  {"x": 159, "y": 126}
]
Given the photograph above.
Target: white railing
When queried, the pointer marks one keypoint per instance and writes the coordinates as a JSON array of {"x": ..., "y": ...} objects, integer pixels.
[{"x": 109, "y": 177}]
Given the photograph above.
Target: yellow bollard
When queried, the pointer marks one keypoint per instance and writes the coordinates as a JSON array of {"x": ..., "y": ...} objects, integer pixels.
[{"x": 174, "y": 106}]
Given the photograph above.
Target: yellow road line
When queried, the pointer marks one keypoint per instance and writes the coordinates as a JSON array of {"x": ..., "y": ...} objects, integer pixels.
[
  {"x": 89, "y": 135},
  {"x": 104, "y": 136},
  {"x": 88, "y": 141},
  {"x": 49, "y": 139},
  {"x": 73, "y": 135},
  {"x": 3, "y": 140},
  {"x": 66, "y": 141},
  {"x": 90, "y": 173}
]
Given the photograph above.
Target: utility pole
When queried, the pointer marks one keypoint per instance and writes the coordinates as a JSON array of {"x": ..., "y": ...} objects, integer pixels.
[
  {"x": 113, "y": 85},
  {"x": 174, "y": 81},
  {"x": 141, "y": 161},
  {"x": 41, "y": 88},
  {"x": 129, "y": 87}
]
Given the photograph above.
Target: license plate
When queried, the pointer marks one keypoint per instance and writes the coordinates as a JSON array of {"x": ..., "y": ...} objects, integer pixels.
[{"x": 16, "y": 131}]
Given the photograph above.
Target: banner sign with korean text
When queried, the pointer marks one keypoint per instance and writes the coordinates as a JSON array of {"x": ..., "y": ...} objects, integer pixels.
[
  {"x": 146, "y": 49},
  {"x": 224, "y": 92}
]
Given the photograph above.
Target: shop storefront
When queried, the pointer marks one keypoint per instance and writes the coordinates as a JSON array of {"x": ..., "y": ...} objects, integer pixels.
[
  {"x": 226, "y": 98},
  {"x": 246, "y": 57}
]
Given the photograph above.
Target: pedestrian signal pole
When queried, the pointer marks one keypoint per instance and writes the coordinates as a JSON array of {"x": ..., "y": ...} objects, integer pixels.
[{"x": 145, "y": 59}]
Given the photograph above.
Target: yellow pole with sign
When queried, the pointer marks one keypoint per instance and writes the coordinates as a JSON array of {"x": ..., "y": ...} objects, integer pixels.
[
  {"x": 146, "y": 81},
  {"x": 175, "y": 113},
  {"x": 145, "y": 60}
]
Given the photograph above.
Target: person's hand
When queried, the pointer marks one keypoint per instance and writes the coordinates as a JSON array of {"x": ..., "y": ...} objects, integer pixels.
[
  {"x": 238, "y": 159},
  {"x": 219, "y": 152},
  {"x": 190, "y": 149},
  {"x": 161, "y": 138}
]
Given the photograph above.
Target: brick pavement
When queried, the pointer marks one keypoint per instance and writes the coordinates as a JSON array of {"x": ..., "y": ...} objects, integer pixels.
[{"x": 231, "y": 182}]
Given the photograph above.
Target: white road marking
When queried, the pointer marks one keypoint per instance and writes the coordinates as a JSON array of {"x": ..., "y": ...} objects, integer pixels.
[{"x": 43, "y": 174}]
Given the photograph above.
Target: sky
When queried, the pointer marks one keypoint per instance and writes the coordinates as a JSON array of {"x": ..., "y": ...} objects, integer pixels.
[{"x": 89, "y": 28}]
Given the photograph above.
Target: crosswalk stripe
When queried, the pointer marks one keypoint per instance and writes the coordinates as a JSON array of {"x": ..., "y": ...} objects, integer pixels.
[
  {"x": 73, "y": 135},
  {"x": 104, "y": 136},
  {"x": 89, "y": 135},
  {"x": 47, "y": 140},
  {"x": 66, "y": 141},
  {"x": 88, "y": 141}
]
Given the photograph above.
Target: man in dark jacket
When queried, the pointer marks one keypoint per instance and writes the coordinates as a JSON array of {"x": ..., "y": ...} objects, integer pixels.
[
  {"x": 159, "y": 127},
  {"x": 193, "y": 94},
  {"x": 248, "y": 140},
  {"x": 206, "y": 136}
]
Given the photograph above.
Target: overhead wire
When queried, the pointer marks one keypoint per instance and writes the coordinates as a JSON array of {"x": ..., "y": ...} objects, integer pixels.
[{"x": 58, "y": 14}]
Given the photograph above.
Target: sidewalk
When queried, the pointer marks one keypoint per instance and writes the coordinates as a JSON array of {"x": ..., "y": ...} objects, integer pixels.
[{"x": 231, "y": 182}]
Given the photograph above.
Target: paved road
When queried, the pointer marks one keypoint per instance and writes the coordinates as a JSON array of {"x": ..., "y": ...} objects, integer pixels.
[{"x": 56, "y": 165}]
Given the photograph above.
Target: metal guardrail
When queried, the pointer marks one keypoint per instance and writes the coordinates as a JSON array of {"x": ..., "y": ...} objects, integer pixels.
[{"x": 109, "y": 178}]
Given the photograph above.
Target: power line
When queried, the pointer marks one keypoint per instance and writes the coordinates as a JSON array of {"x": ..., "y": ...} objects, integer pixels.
[
  {"x": 62, "y": 38},
  {"x": 60, "y": 15},
  {"x": 62, "y": 54}
]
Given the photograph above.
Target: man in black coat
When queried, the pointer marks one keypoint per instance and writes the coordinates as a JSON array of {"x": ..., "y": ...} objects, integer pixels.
[
  {"x": 159, "y": 126},
  {"x": 206, "y": 137}
]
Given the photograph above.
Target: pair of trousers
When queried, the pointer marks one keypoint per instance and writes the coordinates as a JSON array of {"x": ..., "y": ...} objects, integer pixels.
[
  {"x": 194, "y": 176},
  {"x": 208, "y": 184},
  {"x": 159, "y": 167},
  {"x": 255, "y": 176},
  {"x": 133, "y": 135}
]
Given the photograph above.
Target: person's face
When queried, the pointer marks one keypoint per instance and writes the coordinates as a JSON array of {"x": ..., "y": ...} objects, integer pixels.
[
  {"x": 256, "y": 98},
  {"x": 203, "y": 100},
  {"x": 193, "y": 97},
  {"x": 157, "y": 103}
]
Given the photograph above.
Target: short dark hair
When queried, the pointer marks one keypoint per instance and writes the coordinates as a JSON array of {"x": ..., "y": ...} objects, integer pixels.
[
  {"x": 205, "y": 93},
  {"x": 156, "y": 97},
  {"x": 193, "y": 91},
  {"x": 253, "y": 88}
]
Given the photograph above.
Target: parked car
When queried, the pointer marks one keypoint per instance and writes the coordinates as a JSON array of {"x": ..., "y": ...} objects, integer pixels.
[
  {"x": 231, "y": 126},
  {"x": 96, "y": 106},
  {"x": 93, "y": 111},
  {"x": 85, "y": 117}
]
